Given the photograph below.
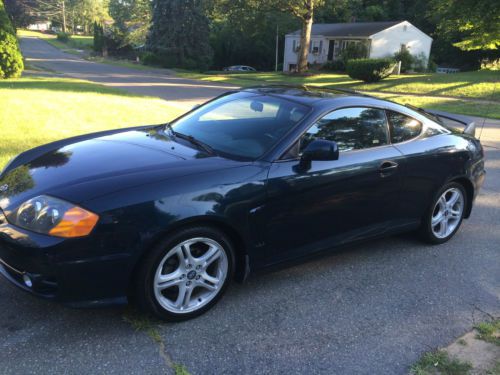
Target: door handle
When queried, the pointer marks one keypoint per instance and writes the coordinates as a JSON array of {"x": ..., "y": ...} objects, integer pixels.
[{"x": 387, "y": 167}]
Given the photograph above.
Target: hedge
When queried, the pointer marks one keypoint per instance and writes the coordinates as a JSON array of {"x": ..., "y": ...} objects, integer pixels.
[
  {"x": 11, "y": 60},
  {"x": 370, "y": 70}
]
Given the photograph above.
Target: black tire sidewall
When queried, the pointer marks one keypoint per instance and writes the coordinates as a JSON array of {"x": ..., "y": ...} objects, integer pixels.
[
  {"x": 427, "y": 232},
  {"x": 145, "y": 279}
]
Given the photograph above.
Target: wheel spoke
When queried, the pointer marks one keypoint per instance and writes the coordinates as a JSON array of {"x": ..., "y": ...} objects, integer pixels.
[
  {"x": 184, "y": 296},
  {"x": 453, "y": 199},
  {"x": 212, "y": 254},
  {"x": 437, "y": 219},
  {"x": 444, "y": 227},
  {"x": 455, "y": 214},
  {"x": 185, "y": 256},
  {"x": 169, "y": 280}
]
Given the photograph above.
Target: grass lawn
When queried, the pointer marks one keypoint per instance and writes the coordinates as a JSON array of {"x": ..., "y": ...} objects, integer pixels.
[
  {"x": 463, "y": 87},
  {"x": 76, "y": 42},
  {"x": 473, "y": 85},
  {"x": 35, "y": 111}
]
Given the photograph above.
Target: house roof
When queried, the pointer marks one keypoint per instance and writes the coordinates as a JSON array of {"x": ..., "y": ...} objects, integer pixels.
[{"x": 358, "y": 29}]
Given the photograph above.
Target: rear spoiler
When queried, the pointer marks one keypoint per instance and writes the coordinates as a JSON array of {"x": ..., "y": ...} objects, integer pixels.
[{"x": 455, "y": 121}]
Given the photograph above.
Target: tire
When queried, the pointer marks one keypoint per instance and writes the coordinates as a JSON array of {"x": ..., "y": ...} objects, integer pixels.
[
  {"x": 185, "y": 275},
  {"x": 443, "y": 218}
]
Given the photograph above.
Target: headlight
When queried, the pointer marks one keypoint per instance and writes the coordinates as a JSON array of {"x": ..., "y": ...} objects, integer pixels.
[{"x": 52, "y": 216}]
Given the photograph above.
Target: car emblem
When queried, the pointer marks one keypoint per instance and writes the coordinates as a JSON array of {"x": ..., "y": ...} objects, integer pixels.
[{"x": 4, "y": 188}]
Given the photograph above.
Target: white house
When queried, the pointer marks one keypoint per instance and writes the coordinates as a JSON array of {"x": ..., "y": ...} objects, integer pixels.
[
  {"x": 40, "y": 26},
  {"x": 382, "y": 39}
]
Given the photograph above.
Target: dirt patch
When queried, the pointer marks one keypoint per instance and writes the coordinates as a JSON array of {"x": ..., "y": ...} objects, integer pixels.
[{"x": 482, "y": 355}]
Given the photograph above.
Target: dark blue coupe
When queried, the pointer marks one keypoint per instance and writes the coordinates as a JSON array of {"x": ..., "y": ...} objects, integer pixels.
[{"x": 168, "y": 215}]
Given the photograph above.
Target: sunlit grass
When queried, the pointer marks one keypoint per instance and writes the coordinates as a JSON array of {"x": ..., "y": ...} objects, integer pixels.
[
  {"x": 474, "y": 85},
  {"x": 34, "y": 111}
]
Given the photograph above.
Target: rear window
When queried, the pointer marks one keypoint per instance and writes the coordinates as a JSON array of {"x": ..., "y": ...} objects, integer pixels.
[{"x": 402, "y": 127}]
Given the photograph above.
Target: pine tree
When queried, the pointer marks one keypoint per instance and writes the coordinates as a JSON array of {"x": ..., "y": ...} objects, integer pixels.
[{"x": 179, "y": 34}]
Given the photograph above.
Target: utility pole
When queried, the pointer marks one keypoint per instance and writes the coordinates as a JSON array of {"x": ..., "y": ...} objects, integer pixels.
[{"x": 277, "y": 47}]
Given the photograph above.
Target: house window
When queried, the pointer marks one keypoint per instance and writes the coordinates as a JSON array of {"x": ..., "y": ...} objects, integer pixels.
[{"x": 320, "y": 46}]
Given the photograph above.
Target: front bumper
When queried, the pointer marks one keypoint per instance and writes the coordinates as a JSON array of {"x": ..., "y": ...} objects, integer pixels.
[{"x": 79, "y": 272}]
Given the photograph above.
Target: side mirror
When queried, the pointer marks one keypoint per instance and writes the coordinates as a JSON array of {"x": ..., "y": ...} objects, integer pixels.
[{"x": 321, "y": 149}]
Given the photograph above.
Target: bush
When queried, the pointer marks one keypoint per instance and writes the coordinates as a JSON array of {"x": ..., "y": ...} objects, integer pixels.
[
  {"x": 334, "y": 66},
  {"x": 420, "y": 63},
  {"x": 11, "y": 60},
  {"x": 63, "y": 37},
  {"x": 406, "y": 58},
  {"x": 370, "y": 70}
]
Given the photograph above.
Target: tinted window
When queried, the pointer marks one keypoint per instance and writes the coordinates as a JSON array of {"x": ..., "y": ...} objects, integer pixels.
[
  {"x": 351, "y": 128},
  {"x": 242, "y": 127},
  {"x": 403, "y": 127}
]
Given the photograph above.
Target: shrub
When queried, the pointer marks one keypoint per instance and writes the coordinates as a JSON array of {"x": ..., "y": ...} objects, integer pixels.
[
  {"x": 63, "y": 37},
  {"x": 406, "y": 58},
  {"x": 11, "y": 60},
  {"x": 420, "y": 63},
  {"x": 334, "y": 66},
  {"x": 370, "y": 70}
]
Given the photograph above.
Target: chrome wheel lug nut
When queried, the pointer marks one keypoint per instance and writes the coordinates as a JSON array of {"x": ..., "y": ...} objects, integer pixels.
[
  {"x": 198, "y": 267},
  {"x": 198, "y": 277},
  {"x": 188, "y": 283}
]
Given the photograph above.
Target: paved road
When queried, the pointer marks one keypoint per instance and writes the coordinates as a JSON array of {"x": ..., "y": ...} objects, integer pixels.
[
  {"x": 371, "y": 309},
  {"x": 154, "y": 82}
]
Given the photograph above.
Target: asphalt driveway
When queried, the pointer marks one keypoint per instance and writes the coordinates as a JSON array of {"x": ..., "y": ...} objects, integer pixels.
[
  {"x": 154, "y": 82},
  {"x": 370, "y": 309}
]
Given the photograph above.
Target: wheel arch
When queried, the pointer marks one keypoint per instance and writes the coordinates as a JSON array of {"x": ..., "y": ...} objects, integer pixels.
[
  {"x": 469, "y": 190},
  {"x": 242, "y": 266}
]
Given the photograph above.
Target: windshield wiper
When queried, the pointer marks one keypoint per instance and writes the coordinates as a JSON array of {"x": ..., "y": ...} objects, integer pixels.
[{"x": 191, "y": 139}]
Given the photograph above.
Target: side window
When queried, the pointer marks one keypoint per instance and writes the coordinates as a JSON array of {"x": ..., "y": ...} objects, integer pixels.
[
  {"x": 351, "y": 128},
  {"x": 403, "y": 127}
]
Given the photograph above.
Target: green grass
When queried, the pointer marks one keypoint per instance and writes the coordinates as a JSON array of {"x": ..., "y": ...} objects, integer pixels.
[
  {"x": 483, "y": 84},
  {"x": 76, "y": 42},
  {"x": 122, "y": 63},
  {"x": 35, "y": 111},
  {"x": 438, "y": 362},
  {"x": 432, "y": 89},
  {"x": 489, "y": 331}
]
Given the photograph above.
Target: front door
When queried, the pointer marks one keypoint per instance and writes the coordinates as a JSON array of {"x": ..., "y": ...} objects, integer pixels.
[
  {"x": 338, "y": 201},
  {"x": 331, "y": 50}
]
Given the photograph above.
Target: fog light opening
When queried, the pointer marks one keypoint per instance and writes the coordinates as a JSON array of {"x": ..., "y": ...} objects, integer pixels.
[{"x": 27, "y": 281}]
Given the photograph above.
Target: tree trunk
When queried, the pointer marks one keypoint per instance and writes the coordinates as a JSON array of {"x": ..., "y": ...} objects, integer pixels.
[
  {"x": 63, "y": 9},
  {"x": 305, "y": 37}
]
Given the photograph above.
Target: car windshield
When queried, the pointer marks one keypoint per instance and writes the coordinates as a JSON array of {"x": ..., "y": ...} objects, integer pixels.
[{"x": 243, "y": 126}]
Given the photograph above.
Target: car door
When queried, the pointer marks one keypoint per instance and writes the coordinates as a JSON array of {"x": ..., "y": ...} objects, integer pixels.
[{"x": 334, "y": 202}]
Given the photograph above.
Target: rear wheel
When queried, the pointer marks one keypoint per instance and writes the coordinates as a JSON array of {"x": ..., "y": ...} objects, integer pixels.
[
  {"x": 186, "y": 274},
  {"x": 445, "y": 214}
]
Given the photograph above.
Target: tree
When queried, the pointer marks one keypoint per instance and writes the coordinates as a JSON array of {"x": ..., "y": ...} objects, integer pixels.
[
  {"x": 303, "y": 10},
  {"x": 132, "y": 20},
  {"x": 477, "y": 21},
  {"x": 179, "y": 34}
]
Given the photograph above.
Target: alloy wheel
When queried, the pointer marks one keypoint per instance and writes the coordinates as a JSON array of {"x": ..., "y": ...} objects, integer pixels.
[
  {"x": 447, "y": 213},
  {"x": 190, "y": 275}
]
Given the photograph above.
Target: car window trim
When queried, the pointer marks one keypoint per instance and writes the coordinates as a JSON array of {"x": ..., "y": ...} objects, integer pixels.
[{"x": 325, "y": 113}]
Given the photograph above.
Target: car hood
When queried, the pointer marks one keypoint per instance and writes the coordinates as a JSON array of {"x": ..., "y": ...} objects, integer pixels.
[{"x": 81, "y": 169}]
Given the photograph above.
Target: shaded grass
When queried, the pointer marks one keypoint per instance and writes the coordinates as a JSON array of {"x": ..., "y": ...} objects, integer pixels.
[
  {"x": 35, "y": 111},
  {"x": 438, "y": 362},
  {"x": 483, "y": 84}
]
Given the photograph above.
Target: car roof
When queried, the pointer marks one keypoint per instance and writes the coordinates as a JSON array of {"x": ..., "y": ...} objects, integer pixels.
[{"x": 308, "y": 95}]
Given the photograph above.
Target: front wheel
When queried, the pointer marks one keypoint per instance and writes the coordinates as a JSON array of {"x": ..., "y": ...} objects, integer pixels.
[
  {"x": 186, "y": 274},
  {"x": 445, "y": 215}
]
